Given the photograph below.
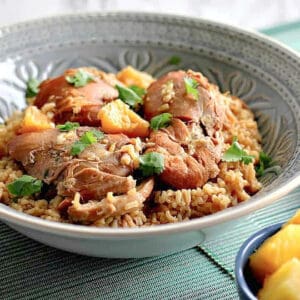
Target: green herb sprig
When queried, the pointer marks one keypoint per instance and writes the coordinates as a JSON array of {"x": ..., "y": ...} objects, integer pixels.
[
  {"x": 265, "y": 162},
  {"x": 191, "y": 86},
  {"x": 68, "y": 126},
  {"x": 32, "y": 88},
  {"x": 151, "y": 163},
  {"x": 160, "y": 121},
  {"x": 138, "y": 90},
  {"x": 88, "y": 138},
  {"x": 174, "y": 60},
  {"x": 25, "y": 186},
  {"x": 130, "y": 96},
  {"x": 236, "y": 153},
  {"x": 80, "y": 78}
]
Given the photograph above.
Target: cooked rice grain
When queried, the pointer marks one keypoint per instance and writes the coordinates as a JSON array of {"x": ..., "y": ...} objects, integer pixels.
[{"x": 235, "y": 183}]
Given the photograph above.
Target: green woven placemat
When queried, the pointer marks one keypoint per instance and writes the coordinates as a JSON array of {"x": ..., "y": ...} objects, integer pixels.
[
  {"x": 224, "y": 250},
  {"x": 29, "y": 270}
]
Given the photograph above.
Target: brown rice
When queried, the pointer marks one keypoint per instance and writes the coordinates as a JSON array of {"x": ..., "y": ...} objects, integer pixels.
[{"x": 235, "y": 183}]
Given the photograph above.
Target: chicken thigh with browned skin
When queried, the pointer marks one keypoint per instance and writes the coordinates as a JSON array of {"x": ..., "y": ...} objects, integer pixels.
[
  {"x": 190, "y": 158},
  {"x": 76, "y": 104},
  {"x": 93, "y": 173},
  {"x": 169, "y": 94},
  {"x": 192, "y": 145},
  {"x": 98, "y": 182}
]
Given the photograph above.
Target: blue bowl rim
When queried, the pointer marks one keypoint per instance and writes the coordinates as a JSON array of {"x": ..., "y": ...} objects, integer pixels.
[{"x": 242, "y": 256}]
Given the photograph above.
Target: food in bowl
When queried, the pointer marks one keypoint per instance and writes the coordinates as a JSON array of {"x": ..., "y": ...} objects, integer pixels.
[
  {"x": 126, "y": 149},
  {"x": 284, "y": 283},
  {"x": 276, "y": 263}
]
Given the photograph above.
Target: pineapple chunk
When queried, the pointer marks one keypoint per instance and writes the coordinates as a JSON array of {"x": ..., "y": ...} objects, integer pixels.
[
  {"x": 275, "y": 251},
  {"x": 130, "y": 76},
  {"x": 284, "y": 284},
  {"x": 34, "y": 120},
  {"x": 117, "y": 117}
]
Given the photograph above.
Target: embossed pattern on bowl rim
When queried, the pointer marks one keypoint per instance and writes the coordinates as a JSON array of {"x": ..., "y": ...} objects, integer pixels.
[{"x": 226, "y": 215}]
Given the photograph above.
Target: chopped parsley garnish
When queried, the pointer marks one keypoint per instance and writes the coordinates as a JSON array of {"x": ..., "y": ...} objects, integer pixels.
[
  {"x": 32, "y": 88},
  {"x": 98, "y": 134},
  {"x": 78, "y": 147},
  {"x": 151, "y": 163},
  {"x": 129, "y": 96},
  {"x": 80, "y": 78},
  {"x": 88, "y": 138},
  {"x": 265, "y": 162},
  {"x": 160, "y": 121},
  {"x": 68, "y": 126},
  {"x": 24, "y": 186},
  {"x": 174, "y": 60},
  {"x": 191, "y": 87},
  {"x": 236, "y": 153},
  {"x": 138, "y": 90}
]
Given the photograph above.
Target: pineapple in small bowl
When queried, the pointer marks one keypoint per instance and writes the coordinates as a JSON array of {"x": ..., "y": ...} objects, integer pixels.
[{"x": 268, "y": 263}]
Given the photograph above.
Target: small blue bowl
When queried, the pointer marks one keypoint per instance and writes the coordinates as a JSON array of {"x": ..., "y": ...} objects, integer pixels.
[{"x": 247, "y": 285}]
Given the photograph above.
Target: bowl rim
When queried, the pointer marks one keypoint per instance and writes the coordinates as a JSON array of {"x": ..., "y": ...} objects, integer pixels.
[
  {"x": 11, "y": 215},
  {"x": 242, "y": 257}
]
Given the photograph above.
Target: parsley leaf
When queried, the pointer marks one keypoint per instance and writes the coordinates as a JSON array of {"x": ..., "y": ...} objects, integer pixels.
[
  {"x": 68, "y": 126},
  {"x": 151, "y": 163},
  {"x": 78, "y": 147},
  {"x": 265, "y": 162},
  {"x": 24, "y": 186},
  {"x": 80, "y": 78},
  {"x": 160, "y": 121},
  {"x": 129, "y": 96},
  {"x": 88, "y": 138},
  {"x": 174, "y": 60},
  {"x": 138, "y": 90},
  {"x": 191, "y": 86},
  {"x": 236, "y": 153},
  {"x": 98, "y": 134},
  {"x": 32, "y": 88}
]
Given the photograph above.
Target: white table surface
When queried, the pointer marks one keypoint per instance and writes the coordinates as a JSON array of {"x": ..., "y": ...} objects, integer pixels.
[{"x": 245, "y": 13}]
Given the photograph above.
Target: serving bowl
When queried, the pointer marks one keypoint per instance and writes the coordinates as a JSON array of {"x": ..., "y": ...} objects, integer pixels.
[
  {"x": 247, "y": 285},
  {"x": 259, "y": 70}
]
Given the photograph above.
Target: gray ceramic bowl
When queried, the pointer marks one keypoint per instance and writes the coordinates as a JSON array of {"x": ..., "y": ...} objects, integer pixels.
[{"x": 262, "y": 72}]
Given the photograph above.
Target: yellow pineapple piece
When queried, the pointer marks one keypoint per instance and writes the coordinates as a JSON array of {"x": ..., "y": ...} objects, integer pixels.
[
  {"x": 284, "y": 284},
  {"x": 117, "y": 117},
  {"x": 295, "y": 219},
  {"x": 275, "y": 251},
  {"x": 130, "y": 76},
  {"x": 34, "y": 120}
]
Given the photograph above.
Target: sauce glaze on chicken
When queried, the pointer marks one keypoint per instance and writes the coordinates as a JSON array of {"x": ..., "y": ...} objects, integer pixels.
[{"x": 104, "y": 180}]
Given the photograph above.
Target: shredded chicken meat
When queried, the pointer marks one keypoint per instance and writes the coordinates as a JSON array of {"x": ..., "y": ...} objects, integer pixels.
[
  {"x": 99, "y": 181},
  {"x": 77, "y": 104},
  {"x": 190, "y": 159},
  {"x": 192, "y": 145}
]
